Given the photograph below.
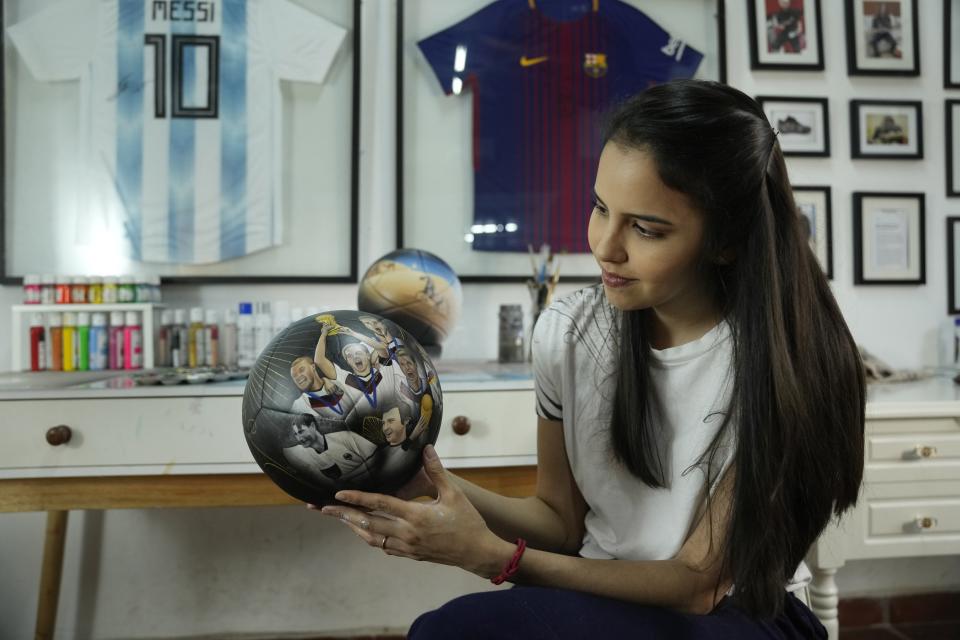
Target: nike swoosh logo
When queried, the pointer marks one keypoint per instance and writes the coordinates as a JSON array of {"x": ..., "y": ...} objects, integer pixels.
[{"x": 529, "y": 62}]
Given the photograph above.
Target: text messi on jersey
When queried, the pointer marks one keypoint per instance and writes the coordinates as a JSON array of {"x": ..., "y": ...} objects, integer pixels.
[{"x": 184, "y": 10}]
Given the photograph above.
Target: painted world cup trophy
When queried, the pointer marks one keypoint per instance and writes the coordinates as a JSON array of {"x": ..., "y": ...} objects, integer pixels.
[{"x": 341, "y": 400}]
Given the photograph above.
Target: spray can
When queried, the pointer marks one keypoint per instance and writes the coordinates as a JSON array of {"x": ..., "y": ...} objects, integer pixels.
[
  {"x": 69, "y": 341},
  {"x": 83, "y": 341},
  {"x": 246, "y": 342},
  {"x": 38, "y": 343},
  {"x": 115, "y": 356},
  {"x": 55, "y": 342},
  {"x": 132, "y": 341},
  {"x": 98, "y": 342}
]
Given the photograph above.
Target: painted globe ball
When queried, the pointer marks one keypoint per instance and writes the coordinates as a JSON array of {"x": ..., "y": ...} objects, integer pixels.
[{"x": 415, "y": 289}]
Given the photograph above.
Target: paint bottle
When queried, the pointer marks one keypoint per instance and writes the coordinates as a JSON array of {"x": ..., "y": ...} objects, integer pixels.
[
  {"x": 263, "y": 328},
  {"x": 48, "y": 289},
  {"x": 246, "y": 341},
  {"x": 69, "y": 341},
  {"x": 164, "y": 339},
  {"x": 228, "y": 339},
  {"x": 110, "y": 291},
  {"x": 38, "y": 343},
  {"x": 98, "y": 342},
  {"x": 95, "y": 290},
  {"x": 179, "y": 339},
  {"x": 115, "y": 340},
  {"x": 126, "y": 290},
  {"x": 132, "y": 341},
  {"x": 83, "y": 341},
  {"x": 78, "y": 290},
  {"x": 211, "y": 338},
  {"x": 195, "y": 342},
  {"x": 55, "y": 342},
  {"x": 63, "y": 290},
  {"x": 31, "y": 289}
]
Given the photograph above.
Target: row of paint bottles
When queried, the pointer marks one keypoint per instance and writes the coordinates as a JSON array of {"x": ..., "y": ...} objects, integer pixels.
[
  {"x": 195, "y": 343},
  {"x": 86, "y": 342}
]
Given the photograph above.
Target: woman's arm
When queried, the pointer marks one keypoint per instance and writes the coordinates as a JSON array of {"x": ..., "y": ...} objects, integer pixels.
[
  {"x": 472, "y": 528},
  {"x": 320, "y": 355}
]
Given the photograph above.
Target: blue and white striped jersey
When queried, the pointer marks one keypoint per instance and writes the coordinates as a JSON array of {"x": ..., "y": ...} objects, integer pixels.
[{"x": 181, "y": 113}]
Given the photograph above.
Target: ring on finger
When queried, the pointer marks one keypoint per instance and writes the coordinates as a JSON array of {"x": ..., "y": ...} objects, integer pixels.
[
  {"x": 364, "y": 524},
  {"x": 383, "y": 543}
]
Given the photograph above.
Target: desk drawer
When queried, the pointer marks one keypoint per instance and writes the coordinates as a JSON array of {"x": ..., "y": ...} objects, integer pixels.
[
  {"x": 502, "y": 423},
  {"x": 920, "y": 517},
  {"x": 123, "y": 432},
  {"x": 918, "y": 449}
]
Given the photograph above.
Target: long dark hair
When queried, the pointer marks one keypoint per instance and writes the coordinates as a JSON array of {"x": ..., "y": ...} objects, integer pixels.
[{"x": 797, "y": 400}]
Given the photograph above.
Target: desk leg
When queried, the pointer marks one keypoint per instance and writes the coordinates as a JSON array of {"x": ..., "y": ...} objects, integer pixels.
[
  {"x": 50, "y": 574},
  {"x": 824, "y": 599}
]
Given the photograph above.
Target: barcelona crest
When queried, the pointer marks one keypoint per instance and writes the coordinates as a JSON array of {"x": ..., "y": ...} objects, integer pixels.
[{"x": 595, "y": 64}]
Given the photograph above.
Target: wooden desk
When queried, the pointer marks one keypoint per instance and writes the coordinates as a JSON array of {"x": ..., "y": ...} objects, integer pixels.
[
  {"x": 163, "y": 447},
  {"x": 59, "y": 496}
]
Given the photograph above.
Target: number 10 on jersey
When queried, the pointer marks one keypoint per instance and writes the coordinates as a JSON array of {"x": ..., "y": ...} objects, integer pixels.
[{"x": 194, "y": 63}]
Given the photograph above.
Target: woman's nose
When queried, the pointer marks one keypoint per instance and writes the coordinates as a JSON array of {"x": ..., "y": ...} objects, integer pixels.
[{"x": 610, "y": 247}]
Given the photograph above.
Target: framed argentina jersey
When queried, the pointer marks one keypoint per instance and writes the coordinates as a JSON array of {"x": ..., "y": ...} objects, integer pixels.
[
  {"x": 501, "y": 107},
  {"x": 193, "y": 139}
]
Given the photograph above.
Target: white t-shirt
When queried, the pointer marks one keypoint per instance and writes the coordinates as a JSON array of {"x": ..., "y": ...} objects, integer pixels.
[
  {"x": 180, "y": 114},
  {"x": 575, "y": 356}
]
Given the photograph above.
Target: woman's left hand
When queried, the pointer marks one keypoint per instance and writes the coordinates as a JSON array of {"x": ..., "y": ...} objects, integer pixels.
[{"x": 448, "y": 530}]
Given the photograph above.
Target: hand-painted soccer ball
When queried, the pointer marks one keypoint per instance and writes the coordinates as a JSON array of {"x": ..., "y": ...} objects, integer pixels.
[
  {"x": 341, "y": 400},
  {"x": 415, "y": 289}
]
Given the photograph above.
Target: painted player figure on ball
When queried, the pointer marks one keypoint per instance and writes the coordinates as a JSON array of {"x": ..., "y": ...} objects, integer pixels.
[{"x": 342, "y": 400}]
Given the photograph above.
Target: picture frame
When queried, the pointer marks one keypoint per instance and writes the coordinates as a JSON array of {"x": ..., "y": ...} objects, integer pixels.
[
  {"x": 952, "y": 117},
  {"x": 802, "y": 123},
  {"x": 882, "y": 37},
  {"x": 886, "y": 129},
  {"x": 270, "y": 203},
  {"x": 953, "y": 266},
  {"x": 785, "y": 35},
  {"x": 435, "y": 134},
  {"x": 814, "y": 205},
  {"x": 951, "y": 44},
  {"x": 889, "y": 241}
]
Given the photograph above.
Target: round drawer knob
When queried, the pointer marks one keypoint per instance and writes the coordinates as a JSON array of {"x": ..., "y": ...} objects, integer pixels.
[
  {"x": 461, "y": 425},
  {"x": 59, "y": 435},
  {"x": 925, "y": 452},
  {"x": 924, "y": 523}
]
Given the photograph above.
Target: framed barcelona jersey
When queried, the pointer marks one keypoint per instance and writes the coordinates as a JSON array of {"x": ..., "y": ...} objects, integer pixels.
[
  {"x": 200, "y": 141},
  {"x": 500, "y": 108}
]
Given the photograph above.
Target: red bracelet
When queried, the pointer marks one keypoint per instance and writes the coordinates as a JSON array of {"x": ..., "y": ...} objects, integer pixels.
[{"x": 513, "y": 566}]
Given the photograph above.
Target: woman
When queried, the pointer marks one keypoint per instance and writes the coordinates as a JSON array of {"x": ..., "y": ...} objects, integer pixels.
[{"x": 700, "y": 414}]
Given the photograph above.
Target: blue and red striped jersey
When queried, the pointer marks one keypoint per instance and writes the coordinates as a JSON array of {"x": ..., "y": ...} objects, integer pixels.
[{"x": 542, "y": 73}]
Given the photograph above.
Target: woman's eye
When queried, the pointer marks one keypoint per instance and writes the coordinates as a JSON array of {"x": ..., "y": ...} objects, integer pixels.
[
  {"x": 647, "y": 233},
  {"x": 598, "y": 209}
]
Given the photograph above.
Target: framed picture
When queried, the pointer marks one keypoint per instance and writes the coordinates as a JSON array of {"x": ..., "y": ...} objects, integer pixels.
[
  {"x": 470, "y": 188},
  {"x": 785, "y": 34},
  {"x": 951, "y": 44},
  {"x": 803, "y": 124},
  {"x": 952, "y": 112},
  {"x": 816, "y": 217},
  {"x": 886, "y": 129},
  {"x": 889, "y": 245},
  {"x": 194, "y": 144},
  {"x": 882, "y": 38},
  {"x": 953, "y": 265}
]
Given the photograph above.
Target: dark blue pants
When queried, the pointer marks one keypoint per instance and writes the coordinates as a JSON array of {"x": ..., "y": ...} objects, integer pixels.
[{"x": 537, "y": 613}]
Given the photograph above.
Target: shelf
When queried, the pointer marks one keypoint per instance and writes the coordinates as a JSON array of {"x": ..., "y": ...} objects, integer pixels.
[{"x": 114, "y": 306}]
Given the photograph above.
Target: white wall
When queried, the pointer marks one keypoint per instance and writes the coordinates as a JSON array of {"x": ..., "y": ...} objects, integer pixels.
[{"x": 190, "y": 572}]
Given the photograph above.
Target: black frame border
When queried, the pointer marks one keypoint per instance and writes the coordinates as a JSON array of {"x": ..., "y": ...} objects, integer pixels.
[
  {"x": 856, "y": 151},
  {"x": 854, "y": 70},
  {"x": 953, "y": 191},
  {"x": 757, "y": 65},
  {"x": 350, "y": 278},
  {"x": 828, "y": 197},
  {"x": 858, "y": 197},
  {"x": 953, "y": 305},
  {"x": 825, "y": 108},
  {"x": 399, "y": 179}
]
